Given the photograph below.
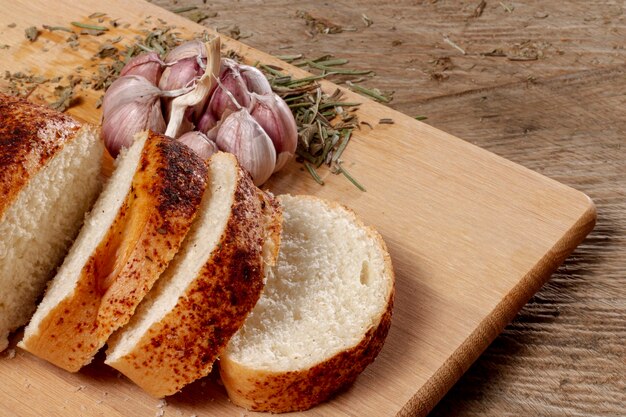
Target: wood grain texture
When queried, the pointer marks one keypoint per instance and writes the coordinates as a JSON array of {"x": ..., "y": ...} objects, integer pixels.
[{"x": 452, "y": 320}]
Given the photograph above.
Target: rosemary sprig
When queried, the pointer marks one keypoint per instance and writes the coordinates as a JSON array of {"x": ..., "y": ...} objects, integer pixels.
[
  {"x": 375, "y": 94},
  {"x": 350, "y": 177},
  {"x": 89, "y": 27},
  {"x": 184, "y": 9}
]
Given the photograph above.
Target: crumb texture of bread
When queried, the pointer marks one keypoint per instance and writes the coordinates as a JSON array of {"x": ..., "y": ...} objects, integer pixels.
[
  {"x": 207, "y": 291},
  {"x": 130, "y": 237},
  {"x": 49, "y": 178},
  {"x": 323, "y": 316}
]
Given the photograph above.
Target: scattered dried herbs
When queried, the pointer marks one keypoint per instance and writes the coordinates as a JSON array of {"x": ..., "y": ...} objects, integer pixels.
[
  {"x": 368, "y": 22},
  {"x": 184, "y": 9},
  {"x": 106, "y": 50},
  {"x": 318, "y": 24},
  {"x": 374, "y": 93},
  {"x": 478, "y": 11},
  {"x": 87, "y": 26},
  {"x": 32, "y": 33},
  {"x": 57, "y": 28}
]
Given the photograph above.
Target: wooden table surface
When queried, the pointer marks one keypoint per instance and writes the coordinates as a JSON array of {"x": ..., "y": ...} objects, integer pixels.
[{"x": 552, "y": 99}]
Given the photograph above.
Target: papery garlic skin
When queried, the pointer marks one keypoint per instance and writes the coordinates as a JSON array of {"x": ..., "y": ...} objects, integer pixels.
[
  {"x": 147, "y": 65},
  {"x": 231, "y": 82},
  {"x": 130, "y": 105},
  {"x": 255, "y": 80},
  {"x": 276, "y": 119},
  {"x": 199, "y": 143},
  {"x": 242, "y": 136},
  {"x": 206, "y": 122},
  {"x": 185, "y": 65}
]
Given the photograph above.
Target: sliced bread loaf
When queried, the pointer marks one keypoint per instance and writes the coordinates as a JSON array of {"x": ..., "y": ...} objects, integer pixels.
[
  {"x": 134, "y": 230},
  {"x": 207, "y": 291},
  {"x": 49, "y": 178},
  {"x": 323, "y": 316}
]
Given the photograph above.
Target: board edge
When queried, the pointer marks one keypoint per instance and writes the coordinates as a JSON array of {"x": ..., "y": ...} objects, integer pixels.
[{"x": 429, "y": 394}]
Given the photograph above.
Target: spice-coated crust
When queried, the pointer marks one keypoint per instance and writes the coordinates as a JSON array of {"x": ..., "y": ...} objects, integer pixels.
[
  {"x": 30, "y": 135},
  {"x": 158, "y": 210},
  {"x": 297, "y": 390},
  {"x": 184, "y": 344}
]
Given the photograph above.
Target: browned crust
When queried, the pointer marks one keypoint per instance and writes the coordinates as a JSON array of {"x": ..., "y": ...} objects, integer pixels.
[
  {"x": 183, "y": 346},
  {"x": 297, "y": 390},
  {"x": 30, "y": 135},
  {"x": 166, "y": 191}
]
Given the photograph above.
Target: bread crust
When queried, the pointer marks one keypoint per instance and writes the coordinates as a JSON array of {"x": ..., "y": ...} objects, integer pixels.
[
  {"x": 30, "y": 135},
  {"x": 157, "y": 212},
  {"x": 301, "y": 389},
  {"x": 184, "y": 344}
]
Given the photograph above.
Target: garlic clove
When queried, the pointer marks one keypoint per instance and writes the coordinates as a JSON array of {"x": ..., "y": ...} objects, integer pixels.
[
  {"x": 276, "y": 118},
  {"x": 131, "y": 105},
  {"x": 255, "y": 80},
  {"x": 181, "y": 74},
  {"x": 199, "y": 143},
  {"x": 182, "y": 107},
  {"x": 207, "y": 121},
  {"x": 148, "y": 65},
  {"x": 185, "y": 65},
  {"x": 242, "y": 136},
  {"x": 231, "y": 82},
  {"x": 189, "y": 49}
]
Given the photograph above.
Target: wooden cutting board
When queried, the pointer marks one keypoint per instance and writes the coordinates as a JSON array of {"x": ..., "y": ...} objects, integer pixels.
[{"x": 472, "y": 236}]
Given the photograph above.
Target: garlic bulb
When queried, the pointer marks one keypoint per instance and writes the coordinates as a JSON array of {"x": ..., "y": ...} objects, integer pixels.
[
  {"x": 199, "y": 143},
  {"x": 242, "y": 136},
  {"x": 148, "y": 65},
  {"x": 130, "y": 105},
  {"x": 275, "y": 117}
]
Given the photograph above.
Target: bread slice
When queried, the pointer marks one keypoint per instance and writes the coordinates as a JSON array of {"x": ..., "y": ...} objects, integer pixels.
[
  {"x": 207, "y": 291},
  {"x": 133, "y": 232},
  {"x": 323, "y": 316},
  {"x": 49, "y": 178}
]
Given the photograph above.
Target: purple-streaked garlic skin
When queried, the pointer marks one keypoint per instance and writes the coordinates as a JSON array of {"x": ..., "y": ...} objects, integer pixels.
[
  {"x": 242, "y": 136},
  {"x": 185, "y": 64},
  {"x": 275, "y": 117},
  {"x": 255, "y": 80},
  {"x": 231, "y": 82},
  {"x": 130, "y": 105},
  {"x": 189, "y": 49},
  {"x": 181, "y": 74},
  {"x": 199, "y": 143},
  {"x": 206, "y": 122},
  {"x": 147, "y": 65}
]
